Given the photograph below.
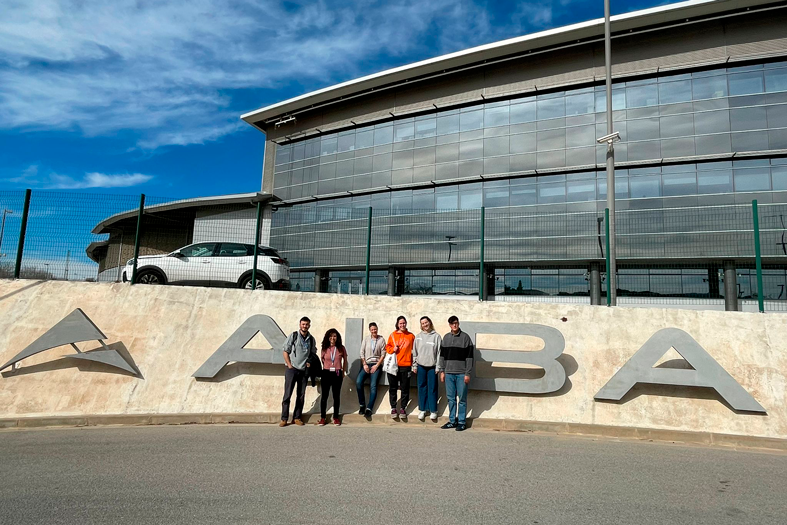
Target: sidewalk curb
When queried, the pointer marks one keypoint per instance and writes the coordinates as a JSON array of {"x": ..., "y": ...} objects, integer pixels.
[{"x": 576, "y": 429}]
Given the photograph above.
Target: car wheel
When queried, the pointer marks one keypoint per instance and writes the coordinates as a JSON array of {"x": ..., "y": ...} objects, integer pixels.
[
  {"x": 149, "y": 277},
  {"x": 261, "y": 284}
]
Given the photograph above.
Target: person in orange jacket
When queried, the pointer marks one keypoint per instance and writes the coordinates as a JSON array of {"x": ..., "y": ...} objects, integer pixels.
[{"x": 400, "y": 343}]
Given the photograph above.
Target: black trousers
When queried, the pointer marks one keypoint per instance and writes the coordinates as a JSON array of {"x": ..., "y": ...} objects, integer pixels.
[
  {"x": 395, "y": 382},
  {"x": 331, "y": 382},
  {"x": 293, "y": 378}
]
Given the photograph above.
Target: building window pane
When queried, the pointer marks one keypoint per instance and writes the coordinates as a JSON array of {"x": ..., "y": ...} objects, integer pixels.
[
  {"x": 714, "y": 182},
  {"x": 328, "y": 145},
  {"x": 753, "y": 179},
  {"x": 364, "y": 139},
  {"x": 551, "y": 192},
  {"x": 642, "y": 96},
  {"x": 523, "y": 112},
  {"x": 709, "y": 87},
  {"x": 552, "y": 139},
  {"x": 383, "y": 136},
  {"x": 642, "y": 129},
  {"x": 581, "y": 190},
  {"x": 551, "y": 108},
  {"x": 496, "y": 116},
  {"x": 679, "y": 184},
  {"x": 471, "y": 120},
  {"x": 711, "y": 122},
  {"x": 523, "y": 195},
  {"x": 347, "y": 142},
  {"x": 675, "y": 92},
  {"x": 404, "y": 131},
  {"x": 748, "y": 119},
  {"x": 677, "y": 126},
  {"x": 447, "y": 124},
  {"x": 750, "y": 141},
  {"x": 779, "y": 177},
  {"x": 425, "y": 128},
  {"x": 645, "y": 187},
  {"x": 775, "y": 80},
  {"x": 446, "y": 201},
  {"x": 471, "y": 149},
  {"x": 496, "y": 197},
  {"x": 495, "y": 146},
  {"x": 579, "y": 104},
  {"x": 746, "y": 83}
]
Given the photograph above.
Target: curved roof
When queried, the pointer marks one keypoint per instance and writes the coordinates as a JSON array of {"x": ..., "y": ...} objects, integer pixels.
[
  {"x": 237, "y": 198},
  {"x": 682, "y": 11}
]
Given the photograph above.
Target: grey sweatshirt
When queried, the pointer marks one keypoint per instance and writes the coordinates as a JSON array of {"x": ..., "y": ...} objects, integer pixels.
[
  {"x": 299, "y": 349},
  {"x": 372, "y": 350},
  {"x": 456, "y": 354},
  {"x": 427, "y": 348}
]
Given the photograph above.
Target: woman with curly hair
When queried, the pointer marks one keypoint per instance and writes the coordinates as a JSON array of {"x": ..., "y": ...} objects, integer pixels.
[{"x": 334, "y": 366}]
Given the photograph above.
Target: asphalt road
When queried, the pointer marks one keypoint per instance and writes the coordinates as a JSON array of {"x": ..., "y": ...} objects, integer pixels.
[{"x": 376, "y": 474}]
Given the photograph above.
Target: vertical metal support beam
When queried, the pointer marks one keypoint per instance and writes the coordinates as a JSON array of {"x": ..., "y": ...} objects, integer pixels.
[
  {"x": 391, "y": 281},
  {"x": 612, "y": 288},
  {"x": 595, "y": 283},
  {"x": 256, "y": 247},
  {"x": 137, "y": 237},
  {"x": 713, "y": 283},
  {"x": 490, "y": 283},
  {"x": 320, "y": 280},
  {"x": 609, "y": 269},
  {"x": 22, "y": 231},
  {"x": 730, "y": 287},
  {"x": 481, "y": 274},
  {"x": 758, "y": 255},
  {"x": 368, "y": 251}
]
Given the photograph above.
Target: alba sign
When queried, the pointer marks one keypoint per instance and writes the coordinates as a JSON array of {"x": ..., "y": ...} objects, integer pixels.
[{"x": 639, "y": 369}]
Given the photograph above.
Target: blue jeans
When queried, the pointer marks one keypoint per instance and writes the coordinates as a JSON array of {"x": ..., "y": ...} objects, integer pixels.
[
  {"x": 374, "y": 378},
  {"x": 427, "y": 389},
  {"x": 455, "y": 387}
]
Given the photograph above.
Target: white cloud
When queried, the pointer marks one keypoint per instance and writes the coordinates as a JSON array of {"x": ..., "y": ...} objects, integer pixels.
[
  {"x": 163, "y": 69},
  {"x": 33, "y": 177}
]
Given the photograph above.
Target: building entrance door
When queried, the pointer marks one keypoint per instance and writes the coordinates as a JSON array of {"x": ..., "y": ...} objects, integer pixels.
[{"x": 350, "y": 285}]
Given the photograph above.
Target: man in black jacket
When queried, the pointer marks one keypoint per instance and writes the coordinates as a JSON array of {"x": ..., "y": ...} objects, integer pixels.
[{"x": 455, "y": 364}]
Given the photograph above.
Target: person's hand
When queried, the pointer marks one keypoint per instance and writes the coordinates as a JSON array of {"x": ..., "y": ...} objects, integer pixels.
[
  {"x": 467, "y": 380},
  {"x": 442, "y": 377},
  {"x": 291, "y": 367},
  {"x": 308, "y": 365},
  {"x": 396, "y": 349},
  {"x": 375, "y": 367},
  {"x": 415, "y": 368},
  {"x": 366, "y": 368}
]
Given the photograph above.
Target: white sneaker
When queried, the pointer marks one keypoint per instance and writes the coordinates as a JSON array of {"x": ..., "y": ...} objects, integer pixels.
[
  {"x": 421, "y": 415},
  {"x": 433, "y": 416}
]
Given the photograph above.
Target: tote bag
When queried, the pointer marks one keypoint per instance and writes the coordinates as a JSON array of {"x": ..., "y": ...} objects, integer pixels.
[{"x": 389, "y": 365}]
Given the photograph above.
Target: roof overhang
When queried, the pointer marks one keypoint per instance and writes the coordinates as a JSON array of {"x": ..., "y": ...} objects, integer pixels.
[
  {"x": 592, "y": 29},
  {"x": 200, "y": 202}
]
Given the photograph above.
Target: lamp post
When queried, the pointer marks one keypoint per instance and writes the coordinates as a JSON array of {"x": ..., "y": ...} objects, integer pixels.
[
  {"x": 610, "y": 138},
  {"x": 2, "y": 230}
]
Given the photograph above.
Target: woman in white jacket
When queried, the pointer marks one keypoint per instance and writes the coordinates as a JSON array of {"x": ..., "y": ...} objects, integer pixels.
[{"x": 425, "y": 353}]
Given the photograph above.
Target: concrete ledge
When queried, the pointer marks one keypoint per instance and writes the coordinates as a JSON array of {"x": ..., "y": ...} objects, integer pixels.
[{"x": 575, "y": 429}]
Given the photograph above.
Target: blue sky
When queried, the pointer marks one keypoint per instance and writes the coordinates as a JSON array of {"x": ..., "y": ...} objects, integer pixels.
[{"x": 132, "y": 96}]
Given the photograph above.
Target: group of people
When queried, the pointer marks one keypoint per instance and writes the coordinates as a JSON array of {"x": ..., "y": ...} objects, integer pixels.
[{"x": 429, "y": 356}]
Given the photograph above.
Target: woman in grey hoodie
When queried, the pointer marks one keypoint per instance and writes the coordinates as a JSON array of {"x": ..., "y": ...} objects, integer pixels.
[{"x": 425, "y": 353}]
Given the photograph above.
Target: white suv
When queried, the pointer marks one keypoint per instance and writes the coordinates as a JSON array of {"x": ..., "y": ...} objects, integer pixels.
[{"x": 213, "y": 264}]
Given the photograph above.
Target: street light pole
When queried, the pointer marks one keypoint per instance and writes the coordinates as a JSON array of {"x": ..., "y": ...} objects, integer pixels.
[{"x": 612, "y": 287}]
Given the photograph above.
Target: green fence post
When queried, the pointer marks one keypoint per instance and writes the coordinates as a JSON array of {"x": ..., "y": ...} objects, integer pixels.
[
  {"x": 256, "y": 248},
  {"x": 137, "y": 237},
  {"x": 22, "y": 231},
  {"x": 757, "y": 255},
  {"x": 368, "y": 250},
  {"x": 606, "y": 237},
  {"x": 481, "y": 276}
]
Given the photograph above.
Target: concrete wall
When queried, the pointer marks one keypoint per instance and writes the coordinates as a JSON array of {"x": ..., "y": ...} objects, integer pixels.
[{"x": 171, "y": 331}]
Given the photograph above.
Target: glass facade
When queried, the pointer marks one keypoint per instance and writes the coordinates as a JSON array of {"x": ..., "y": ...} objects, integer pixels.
[{"x": 719, "y": 111}]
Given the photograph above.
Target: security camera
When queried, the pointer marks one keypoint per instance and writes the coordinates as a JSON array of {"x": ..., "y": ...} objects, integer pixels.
[{"x": 612, "y": 137}]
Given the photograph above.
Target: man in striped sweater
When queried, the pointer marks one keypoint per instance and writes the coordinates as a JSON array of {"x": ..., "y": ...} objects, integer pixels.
[{"x": 455, "y": 364}]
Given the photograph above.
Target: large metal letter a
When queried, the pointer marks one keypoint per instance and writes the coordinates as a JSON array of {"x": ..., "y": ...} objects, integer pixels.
[{"x": 707, "y": 372}]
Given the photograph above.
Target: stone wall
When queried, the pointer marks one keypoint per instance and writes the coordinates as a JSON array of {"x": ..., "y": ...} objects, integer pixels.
[{"x": 171, "y": 331}]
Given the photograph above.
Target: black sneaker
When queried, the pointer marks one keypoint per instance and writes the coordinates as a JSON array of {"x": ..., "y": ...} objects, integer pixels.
[
  {"x": 368, "y": 413},
  {"x": 448, "y": 425},
  {"x": 460, "y": 428},
  {"x": 361, "y": 410}
]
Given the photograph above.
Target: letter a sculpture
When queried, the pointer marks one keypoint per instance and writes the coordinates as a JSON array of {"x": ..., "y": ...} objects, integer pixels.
[{"x": 75, "y": 327}]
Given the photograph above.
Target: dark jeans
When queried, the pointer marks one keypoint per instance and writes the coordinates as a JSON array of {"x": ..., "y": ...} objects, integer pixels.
[
  {"x": 292, "y": 378},
  {"x": 374, "y": 377},
  {"x": 331, "y": 382},
  {"x": 427, "y": 388},
  {"x": 395, "y": 382}
]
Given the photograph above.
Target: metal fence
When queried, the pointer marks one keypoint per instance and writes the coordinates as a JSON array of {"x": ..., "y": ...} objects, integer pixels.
[{"x": 512, "y": 253}]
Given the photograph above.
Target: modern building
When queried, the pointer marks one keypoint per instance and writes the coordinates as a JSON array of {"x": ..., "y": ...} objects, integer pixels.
[{"x": 699, "y": 99}]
